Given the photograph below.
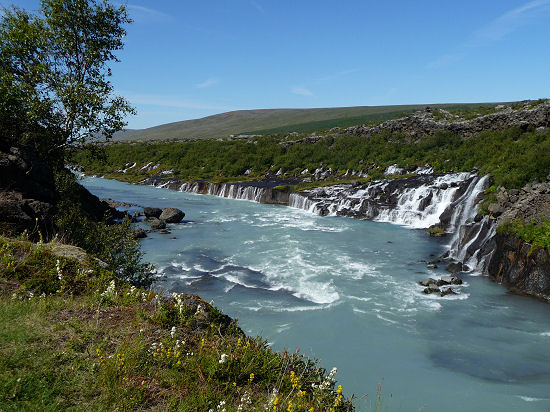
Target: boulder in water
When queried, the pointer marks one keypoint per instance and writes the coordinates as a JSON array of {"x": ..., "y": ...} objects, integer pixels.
[
  {"x": 450, "y": 280},
  {"x": 447, "y": 291},
  {"x": 140, "y": 233},
  {"x": 432, "y": 288},
  {"x": 172, "y": 215},
  {"x": 152, "y": 212},
  {"x": 454, "y": 267},
  {"x": 427, "y": 282},
  {"x": 157, "y": 224}
]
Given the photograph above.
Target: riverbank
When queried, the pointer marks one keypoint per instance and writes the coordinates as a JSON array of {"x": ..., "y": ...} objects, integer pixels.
[
  {"x": 74, "y": 336},
  {"x": 346, "y": 291}
]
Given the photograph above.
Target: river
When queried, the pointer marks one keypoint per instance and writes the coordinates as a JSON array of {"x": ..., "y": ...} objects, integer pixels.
[{"x": 345, "y": 291}]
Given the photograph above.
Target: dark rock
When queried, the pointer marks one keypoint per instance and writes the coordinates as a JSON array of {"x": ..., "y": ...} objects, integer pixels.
[
  {"x": 152, "y": 212},
  {"x": 431, "y": 266},
  {"x": 164, "y": 231},
  {"x": 431, "y": 289},
  {"x": 425, "y": 201},
  {"x": 520, "y": 268},
  {"x": 496, "y": 209},
  {"x": 140, "y": 233},
  {"x": 172, "y": 215},
  {"x": 447, "y": 291},
  {"x": 157, "y": 224},
  {"x": 454, "y": 267},
  {"x": 427, "y": 282},
  {"x": 449, "y": 280}
]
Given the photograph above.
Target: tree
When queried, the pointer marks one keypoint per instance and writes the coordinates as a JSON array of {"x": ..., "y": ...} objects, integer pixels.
[{"x": 54, "y": 74}]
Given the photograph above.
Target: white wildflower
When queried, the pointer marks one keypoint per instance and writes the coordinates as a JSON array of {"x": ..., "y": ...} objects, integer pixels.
[
  {"x": 110, "y": 292},
  {"x": 173, "y": 332},
  {"x": 58, "y": 270},
  {"x": 272, "y": 396},
  {"x": 245, "y": 401},
  {"x": 328, "y": 382},
  {"x": 223, "y": 358}
]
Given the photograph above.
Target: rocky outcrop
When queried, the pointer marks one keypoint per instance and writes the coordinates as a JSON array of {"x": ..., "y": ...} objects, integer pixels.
[
  {"x": 514, "y": 262},
  {"x": 531, "y": 203},
  {"x": 425, "y": 123},
  {"x": 272, "y": 190},
  {"x": 520, "y": 268},
  {"x": 29, "y": 198},
  {"x": 27, "y": 191}
]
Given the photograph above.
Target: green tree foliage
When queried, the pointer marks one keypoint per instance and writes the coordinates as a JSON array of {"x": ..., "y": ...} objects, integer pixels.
[{"x": 54, "y": 74}]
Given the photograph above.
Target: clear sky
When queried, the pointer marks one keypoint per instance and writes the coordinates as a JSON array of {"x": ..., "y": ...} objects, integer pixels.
[{"x": 189, "y": 59}]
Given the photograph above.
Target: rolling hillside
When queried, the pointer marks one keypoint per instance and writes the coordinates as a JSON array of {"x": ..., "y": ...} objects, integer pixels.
[{"x": 265, "y": 121}]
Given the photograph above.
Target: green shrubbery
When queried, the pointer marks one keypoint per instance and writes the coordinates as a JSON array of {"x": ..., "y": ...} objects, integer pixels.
[
  {"x": 512, "y": 157},
  {"x": 114, "y": 244},
  {"x": 75, "y": 337},
  {"x": 535, "y": 233}
]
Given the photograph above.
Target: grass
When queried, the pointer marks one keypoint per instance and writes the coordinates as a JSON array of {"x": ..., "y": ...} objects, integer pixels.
[
  {"x": 535, "y": 233},
  {"x": 436, "y": 231},
  {"x": 269, "y": 121},
  {"x": 74, "y": 337}
]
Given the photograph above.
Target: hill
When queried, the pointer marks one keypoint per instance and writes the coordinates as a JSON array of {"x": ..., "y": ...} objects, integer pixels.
[{"x": 268, "y": 121}]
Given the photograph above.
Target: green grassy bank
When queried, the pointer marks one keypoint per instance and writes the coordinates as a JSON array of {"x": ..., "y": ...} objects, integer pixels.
[{"x": 74, "y": 336}]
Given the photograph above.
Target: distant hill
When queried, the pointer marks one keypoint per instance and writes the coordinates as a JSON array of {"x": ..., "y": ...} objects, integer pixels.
[{"x": 266, "y": 121}]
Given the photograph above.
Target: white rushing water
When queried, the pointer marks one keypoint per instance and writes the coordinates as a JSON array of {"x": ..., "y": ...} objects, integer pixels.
[
  {"x": 345, "y": 291},
  {"x": 416, "y": 206}
]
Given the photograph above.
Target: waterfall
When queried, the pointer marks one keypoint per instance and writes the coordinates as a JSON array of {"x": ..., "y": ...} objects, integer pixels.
[
  {"x": 419, "y": 202},
  {"x": 299, "y": 201}
]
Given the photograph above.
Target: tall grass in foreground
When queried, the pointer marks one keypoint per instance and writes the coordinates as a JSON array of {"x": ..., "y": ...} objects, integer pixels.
[{"x": 74, "y": 336}]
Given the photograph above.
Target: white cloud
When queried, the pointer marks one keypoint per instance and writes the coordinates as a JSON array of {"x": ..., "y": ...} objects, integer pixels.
[
  {"x": 141, "y": 13},
  {"x": 301, "y": 91},
  {"x": 496, "y": 30},
  {"x": 510, "y": 21},
  {"x": 207, "y": 83},
  {"x": 170, "y": 101},
  {"x": 257, "y": 6}
]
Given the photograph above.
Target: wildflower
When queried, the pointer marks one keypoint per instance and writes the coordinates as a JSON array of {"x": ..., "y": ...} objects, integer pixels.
[
  {"x": 198, "y": 311},
  {"x": 223, "y": 358},
  {"x": 272, "y": 400},
  {"x": 203, "y": 341},
  {"x": 173, "y": 332},
  {"x": 251, "y": 378},
  {"x": 338, "y": 399},
  {"x": 220, "y": 406},
  {"x": 110, "y": 292},
  {"x": 289, "y": 408},
  {"x": 58, "y": 270},
  {"x": 239, "y": 342},
  {"x": 245, "y": 401}
]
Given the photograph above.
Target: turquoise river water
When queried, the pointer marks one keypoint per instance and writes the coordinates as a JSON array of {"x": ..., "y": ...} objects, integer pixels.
[{"x": 345, "y": 291}]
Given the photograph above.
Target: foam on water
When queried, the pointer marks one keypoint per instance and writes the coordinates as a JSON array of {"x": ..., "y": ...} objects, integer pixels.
[{"x": 337, "y": 288}]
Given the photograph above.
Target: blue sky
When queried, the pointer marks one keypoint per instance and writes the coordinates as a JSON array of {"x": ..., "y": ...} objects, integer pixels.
[{"x": 189, "y": 59}]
